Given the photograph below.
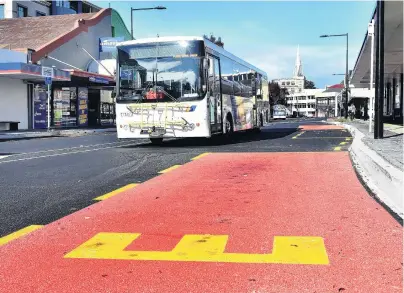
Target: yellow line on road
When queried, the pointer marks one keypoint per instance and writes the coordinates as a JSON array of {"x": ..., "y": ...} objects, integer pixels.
[
  {"x": 337, "y": 148},
  {"x": 348, "y": 138},
  {"x": 170, "y": 169},
  {"x": 19, "y": 233},
  {"x": 343, "y": 143},
  {"x": 324, "y": 137},
  {"x": 200, "y": 156},
  {"x": 117, "y": 191},
  {"x": 297, "y": 135}
]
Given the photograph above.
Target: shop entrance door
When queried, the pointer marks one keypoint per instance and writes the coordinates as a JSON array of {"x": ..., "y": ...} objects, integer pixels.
[{"x": 93, "y": 107}]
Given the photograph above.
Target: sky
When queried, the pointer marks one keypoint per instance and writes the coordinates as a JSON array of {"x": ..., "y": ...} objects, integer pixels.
[{"x": 265, "y": 34}]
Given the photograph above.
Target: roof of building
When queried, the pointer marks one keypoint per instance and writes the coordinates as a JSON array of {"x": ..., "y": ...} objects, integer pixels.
[{"x": 44, "y": 34}]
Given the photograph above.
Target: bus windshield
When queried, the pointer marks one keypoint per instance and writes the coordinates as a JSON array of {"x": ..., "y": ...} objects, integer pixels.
[{"x": 147, "y": 76}]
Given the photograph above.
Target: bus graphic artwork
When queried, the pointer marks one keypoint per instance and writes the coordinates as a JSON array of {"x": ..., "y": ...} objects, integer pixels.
[{"x": 149, "y": 118}]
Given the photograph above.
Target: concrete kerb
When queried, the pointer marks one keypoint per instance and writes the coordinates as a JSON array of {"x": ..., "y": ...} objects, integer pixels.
[{"x": 383, "y": 179}]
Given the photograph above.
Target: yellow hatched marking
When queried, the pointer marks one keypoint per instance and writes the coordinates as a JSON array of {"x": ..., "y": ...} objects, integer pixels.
[
  {"x": 200, "y": 156},
  {"x": 348, "y": 138},
  {"x": 115, "y": 192},
  {"x": 296, "y": 136},
  {"x": 343, "y": 143},
  {"x": 337, "y": 148},
  {"x": 170, "y": 169},
  {"x": 19, "y": 233},
  {"x": 204, "y": 248}
]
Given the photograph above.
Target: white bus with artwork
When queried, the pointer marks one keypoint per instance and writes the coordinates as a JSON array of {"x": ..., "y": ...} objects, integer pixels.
[{"x": 186, "y": 87}]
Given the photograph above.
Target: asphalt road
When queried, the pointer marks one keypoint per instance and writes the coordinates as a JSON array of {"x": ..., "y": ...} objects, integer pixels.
[{"x": 45, "y": 179}]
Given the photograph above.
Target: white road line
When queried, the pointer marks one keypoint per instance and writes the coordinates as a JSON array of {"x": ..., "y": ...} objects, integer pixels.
[
  {"x": 69, "y": 153},
  {"x": 2, "y": 157},
  {"x": 63, "y": 149}
]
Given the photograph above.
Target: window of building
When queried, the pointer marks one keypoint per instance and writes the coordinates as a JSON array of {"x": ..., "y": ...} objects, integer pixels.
[
  {"x": 22, "y": 11},
  {"x": 1, "y": 11},
  {"x": 293, "y": 83},
  {"x": 283, "y": 83},
  {"x": 39, "y": 13}
]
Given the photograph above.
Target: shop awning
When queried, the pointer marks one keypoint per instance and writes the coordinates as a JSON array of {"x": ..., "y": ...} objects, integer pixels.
[
  {"x": 93, "y": 78},
  {"x": 31, "y": 72},
  {"x": 393, "y": 47}
]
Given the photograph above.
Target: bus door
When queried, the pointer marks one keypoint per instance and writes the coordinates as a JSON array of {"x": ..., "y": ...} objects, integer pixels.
[{"x": 215, "y": 96}]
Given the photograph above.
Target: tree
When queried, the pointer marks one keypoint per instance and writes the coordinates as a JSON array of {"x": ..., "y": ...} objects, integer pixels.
[
  {"x": 277, "y": 94},
  {"x": 308, "y": 84}
]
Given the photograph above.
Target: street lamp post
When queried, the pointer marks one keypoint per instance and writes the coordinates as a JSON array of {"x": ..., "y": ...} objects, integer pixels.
[
  {"x": 136, "y": 9},
  {"x": 346, "y": 70}
]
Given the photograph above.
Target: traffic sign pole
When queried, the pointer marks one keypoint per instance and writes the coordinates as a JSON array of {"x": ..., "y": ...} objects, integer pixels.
[{"x": 49, "y": 96}]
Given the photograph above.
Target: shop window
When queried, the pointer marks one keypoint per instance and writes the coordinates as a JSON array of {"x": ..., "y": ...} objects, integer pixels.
[
  {"x": 107, "y": 113},
  {"x": 65, "y": 107},
  {"x": 1, "y": 11},
  {"x": 22, "y": 11}
]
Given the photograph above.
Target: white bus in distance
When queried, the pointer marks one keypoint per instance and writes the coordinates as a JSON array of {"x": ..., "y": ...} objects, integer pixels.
[{"x": 186, "y": 87}]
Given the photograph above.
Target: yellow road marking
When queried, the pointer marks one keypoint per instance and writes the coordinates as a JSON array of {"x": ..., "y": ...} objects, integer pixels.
[
  {"x": 170, "y": 169},
  {"x": 323, "y": 137},
  {"x": 18, "y": 234},
  {"x": 348, "y": 138},
  {"x": 297, "y": 135},
  {"x": 204, "y": 248},
  {"x": 343, "y": 143},
  {"x": 115, "y": 192},
  {"x": 337, "y": 148},
  {"x": 200, "y": 156}
]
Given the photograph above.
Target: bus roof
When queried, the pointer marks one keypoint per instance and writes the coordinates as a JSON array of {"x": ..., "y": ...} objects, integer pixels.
[{"x": 208, "y": 43}]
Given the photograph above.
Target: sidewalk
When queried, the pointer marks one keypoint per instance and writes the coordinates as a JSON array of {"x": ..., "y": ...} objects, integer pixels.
[
  {"x": 390, "y": 147},
  {"x": 35, "y": 134},
  {"x": 379, "y": 162}
]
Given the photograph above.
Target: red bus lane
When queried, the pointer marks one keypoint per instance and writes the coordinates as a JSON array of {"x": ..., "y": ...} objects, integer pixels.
[{"x": 231, "y": 222}]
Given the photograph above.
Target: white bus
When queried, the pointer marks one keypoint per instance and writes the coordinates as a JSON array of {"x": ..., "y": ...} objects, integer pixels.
[
  {"x": 186, "y": 87},
  {"x": 280, "y": 112}
]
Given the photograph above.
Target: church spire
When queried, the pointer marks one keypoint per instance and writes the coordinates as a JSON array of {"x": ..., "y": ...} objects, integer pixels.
[{"x": 298, "y": 65}]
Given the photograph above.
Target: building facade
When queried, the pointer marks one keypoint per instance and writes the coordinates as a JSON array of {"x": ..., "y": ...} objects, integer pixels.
[
  {"x": 392, "y": 78},
  {"x": 64, "y": 46},
  {"x": 303, "y": 103},
  {"x": 18, "y": 8}
]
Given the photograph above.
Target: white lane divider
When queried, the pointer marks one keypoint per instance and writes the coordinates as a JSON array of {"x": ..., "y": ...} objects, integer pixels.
[{"x": 2, "y": 157}]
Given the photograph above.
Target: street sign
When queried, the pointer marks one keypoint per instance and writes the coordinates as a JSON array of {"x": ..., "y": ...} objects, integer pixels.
[
  {"x": 47, "y": 71},
  {"x": 48, "y": 80}
]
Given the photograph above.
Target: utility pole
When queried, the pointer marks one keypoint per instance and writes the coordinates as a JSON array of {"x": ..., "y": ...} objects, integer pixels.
[
  {"x": 346, "y": 90},
  {"x": 137, "y": 9},
  {"x": 371, "y": 33},
  {"x": 379, "y": 84}
]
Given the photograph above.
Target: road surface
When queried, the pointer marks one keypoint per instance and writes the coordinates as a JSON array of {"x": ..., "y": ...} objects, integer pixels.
[{"x": 276, "y": 211}]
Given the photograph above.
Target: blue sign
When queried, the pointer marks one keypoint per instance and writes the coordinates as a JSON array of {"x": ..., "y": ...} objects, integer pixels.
[
  {"x": 40, "y": 107},
  {"x": 82, "y": 107},
  {"x": 48, "y": 80},
  {"x": 108, "y": 44},
  {"x": 98, "y": 80}
]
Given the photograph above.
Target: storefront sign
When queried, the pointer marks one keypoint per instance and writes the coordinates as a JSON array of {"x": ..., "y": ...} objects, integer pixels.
[
  {"x": 40, "y": 107},
  {"x": 83, "y": 107},
  {"x": 108, "y": 44},
  {"x": 98, "y": 80}
]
